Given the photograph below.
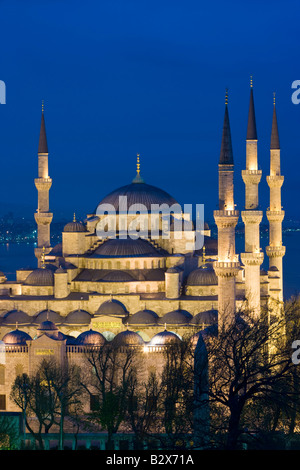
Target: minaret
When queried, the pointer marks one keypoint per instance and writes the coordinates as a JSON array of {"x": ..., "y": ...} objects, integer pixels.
[
  {"x": 227, "y": 266},
  {"x": 275, "y": 214},
  {"x": 43, "y": 183},
  {"x": 253, "y": 256}
]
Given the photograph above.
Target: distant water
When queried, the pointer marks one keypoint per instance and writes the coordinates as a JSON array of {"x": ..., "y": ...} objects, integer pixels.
[{"x": 15, "y": 256}]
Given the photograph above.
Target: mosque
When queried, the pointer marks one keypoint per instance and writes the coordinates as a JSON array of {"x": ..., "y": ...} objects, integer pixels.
[{"x": 146, "y": 291}]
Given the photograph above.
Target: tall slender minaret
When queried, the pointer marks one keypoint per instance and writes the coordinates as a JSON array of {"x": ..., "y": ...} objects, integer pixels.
[
  {"x": 275, "y": 214},
  {"x": 227, "y": 266},
  {"x": 43, "y": 184},
  {"x": 253, "y": 256}
]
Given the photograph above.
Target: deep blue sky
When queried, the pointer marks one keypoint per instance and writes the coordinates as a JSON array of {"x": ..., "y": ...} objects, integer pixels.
[{"x": 125, "y": 76}]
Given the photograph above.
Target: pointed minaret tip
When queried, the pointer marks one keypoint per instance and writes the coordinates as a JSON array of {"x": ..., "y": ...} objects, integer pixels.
[
  {"x": 43, "y": 146},
  {"x": 251, "y": 129},
  {"x": 274, "y": 134},
  {"x": 226, "y": 155}
]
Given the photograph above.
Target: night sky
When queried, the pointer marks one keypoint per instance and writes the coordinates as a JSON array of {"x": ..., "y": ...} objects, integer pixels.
[{"x": 121, "y": 77}]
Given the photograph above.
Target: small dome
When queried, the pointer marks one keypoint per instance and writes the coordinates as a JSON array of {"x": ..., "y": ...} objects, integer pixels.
[
  {"x": 208, "y": 317},
  {"x": 203, "y": 276},
  {"x": 48, "y": 315},
  {"x": 74, "y": 227},
  {"x": 40, "y": 277},
  {"x": 90, "y": 337},
  {"x": 16, "y": 316},
  {"x": 16, "y": 337},
  {"x": 117, "y": 276},
  {"x": 143, "y": 317},
  {"x": 163, "y": 338},
  {"x": 118, "y": 247},
  {"x": 176, "y": 317},
  {"x": 78, "y": 317},
  {"x": 127, "y": 338},
  {"x": 47, "y": 325},
  {"x": 274, "y": 268},
  {"x": 111, "y": 307}
]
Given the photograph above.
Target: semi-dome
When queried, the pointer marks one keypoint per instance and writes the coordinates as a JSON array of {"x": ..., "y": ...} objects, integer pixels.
[
  {"x": 91, "y": 338},
  {"x": 48, "y": 315},
  {"x": 117, "y": 276},
  {"x": 117, "y": 247},
  {"x": 163, "y": 338},
  {"x": 209, "y": 317},
  {"x": 203, "y": 276},
  {"x": 176, "y": 317},
  {"x": 40, "y": 277},
  {"x": 14, "y": 317},
  {"x": 78, "y": 317},
  {"x": 143, "y": 317},
  {"x": 16, "y": 338},
  {"x": 111, "y": 307},
  {"x": 138, "y": 192},
  {"x": 47, "y": 325},
  {"x": 127, "y": 338}
]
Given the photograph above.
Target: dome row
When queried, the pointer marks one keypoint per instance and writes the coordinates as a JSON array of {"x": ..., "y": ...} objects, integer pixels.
[
  {"x": 89, "y": 338},
  {"x": 81, "y": 317}
]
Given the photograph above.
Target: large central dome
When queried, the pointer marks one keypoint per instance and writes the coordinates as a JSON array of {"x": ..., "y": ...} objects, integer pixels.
[{"x": 138, "y": 192}]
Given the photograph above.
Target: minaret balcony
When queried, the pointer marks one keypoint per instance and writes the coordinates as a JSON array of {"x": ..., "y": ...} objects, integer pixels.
[
  {"x": 43, "y": 218},
  {"x": 275, "y": 216},
  {"x": 250, "y": 217},
  {"x": 43, "y": 184},
  {"x": 252, "y": 259},
  {"x": 275, "y": 251},
  {"x": 251, "y": 176},
  {"x": 226, "y": 218},
  {"x": 226, "y": 268},
  {"x": 275, "y": 181}
]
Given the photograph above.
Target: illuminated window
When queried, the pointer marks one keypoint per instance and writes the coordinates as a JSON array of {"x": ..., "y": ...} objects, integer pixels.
[
  {"x": 2, "y": 402},
  {"x": 2, "y": 375}
]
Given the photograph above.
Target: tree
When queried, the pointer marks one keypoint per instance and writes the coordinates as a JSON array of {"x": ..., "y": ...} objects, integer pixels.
[
  {"x": 112, "y": 371},
  {"x": 47, "y": 395},
  {"x": 249, "y": 365}
]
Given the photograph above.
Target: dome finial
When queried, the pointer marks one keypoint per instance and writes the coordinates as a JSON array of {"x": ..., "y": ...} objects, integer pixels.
[
  {"x": 74, "y": 217},
  {"x": 203, "y": 255},
  {"x": 165, "y": 327},
  {"x": 274, "y": 98},
  {"x": 138, "y": 165},
  {"x": 138, "y": 178},
  {"x": 43, "y": 106},
  {"x": 226, "y": 96},
  {"x": 43, "y": 258},
  {"x": 251, "y": 81}
]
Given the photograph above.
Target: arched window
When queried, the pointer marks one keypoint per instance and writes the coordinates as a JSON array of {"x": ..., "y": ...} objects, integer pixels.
[
  {"x": 2, "y": 374},
  {"x": 19, "y": 369}
]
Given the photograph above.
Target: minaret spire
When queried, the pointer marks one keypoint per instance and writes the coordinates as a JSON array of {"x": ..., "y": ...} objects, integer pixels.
[
  {"x": 274, "y": 134},
  {"x": 43, "y": 146},
  {"x": 43, "y": 184},
  {"x": 226, "y": 154},
  {"x": 251, "y": 129}
]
